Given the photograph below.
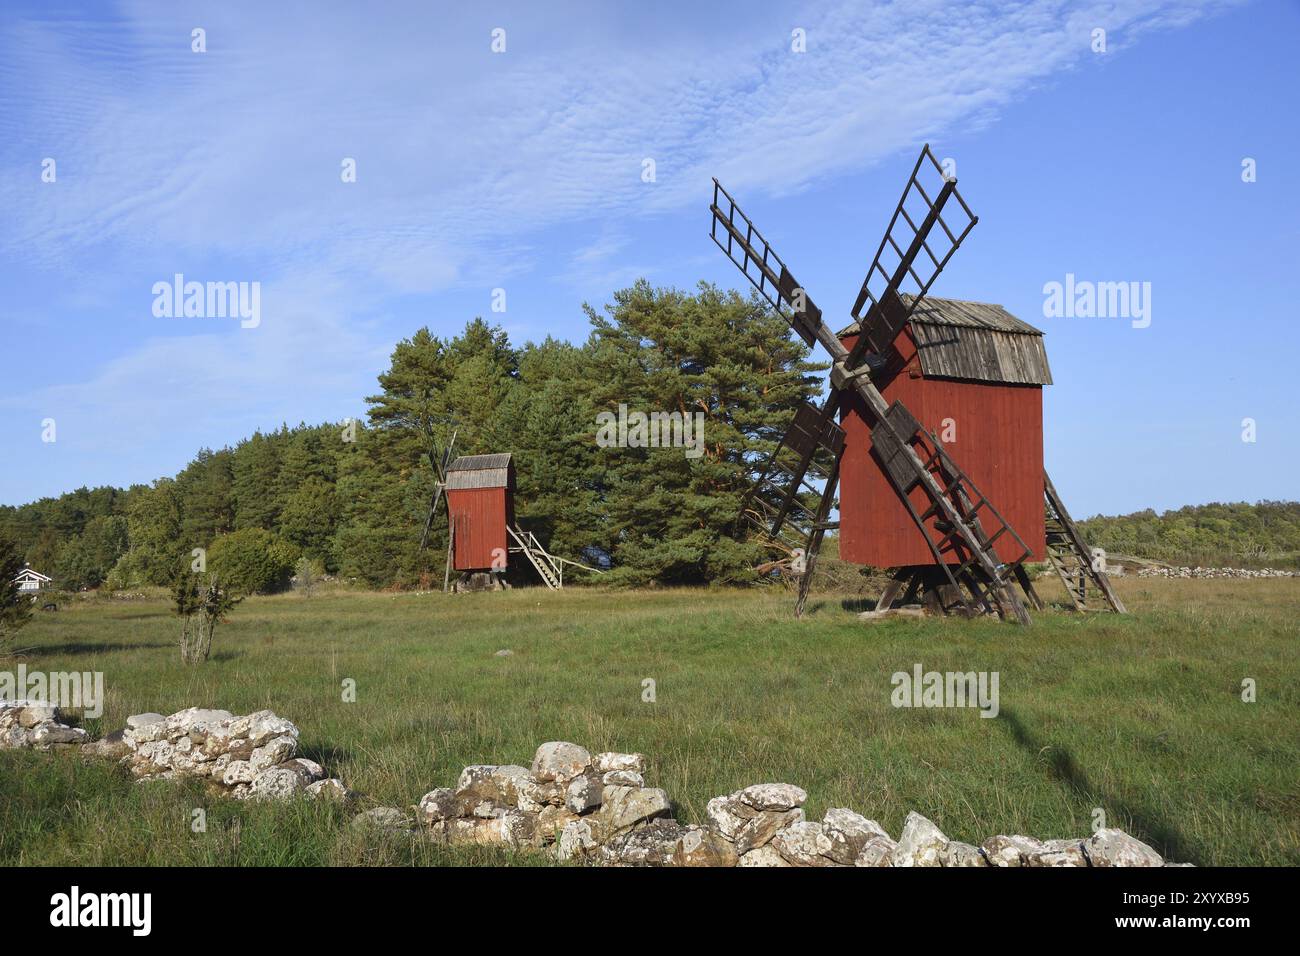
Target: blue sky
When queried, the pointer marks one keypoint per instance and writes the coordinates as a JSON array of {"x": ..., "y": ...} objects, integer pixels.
[{"x": 522, "y": 170}]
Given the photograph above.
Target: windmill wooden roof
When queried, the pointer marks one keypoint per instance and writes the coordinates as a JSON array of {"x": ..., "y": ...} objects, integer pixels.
[
  {"x": 979, "y": 341},
  {"x": 479, "y": 471}
]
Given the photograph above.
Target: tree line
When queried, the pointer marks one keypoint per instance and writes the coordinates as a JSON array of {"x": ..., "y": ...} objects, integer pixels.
[
  {"x": 1265, "y": 534},
  {"x": 353, "y": 497}
]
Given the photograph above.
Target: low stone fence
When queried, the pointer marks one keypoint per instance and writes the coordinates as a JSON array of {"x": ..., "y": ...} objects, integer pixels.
[
  {"x": 254, "y": 756},
  {"x": 27, "y": 723},
  {"x": 1216, "y": 573},
  {"x": 594, "y": 809}
]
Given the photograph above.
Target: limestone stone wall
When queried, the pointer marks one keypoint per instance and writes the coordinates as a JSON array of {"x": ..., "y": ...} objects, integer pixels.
[
  {"x": 597, "y": 809},
  {"x": 582, "y": 807},
  {"x": 34, "y": 724}
]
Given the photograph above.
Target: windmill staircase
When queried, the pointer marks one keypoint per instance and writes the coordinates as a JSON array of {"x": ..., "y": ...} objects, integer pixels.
[
  {"x": 549, "y": 568},
  {"x": 1069, "y": 555}
]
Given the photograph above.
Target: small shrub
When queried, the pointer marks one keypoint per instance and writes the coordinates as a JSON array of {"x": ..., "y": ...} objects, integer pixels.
[
  {"x": 201, "y": 607},
  {"x": 306, "y": 575},
  {"x": 252, "y": 561}
]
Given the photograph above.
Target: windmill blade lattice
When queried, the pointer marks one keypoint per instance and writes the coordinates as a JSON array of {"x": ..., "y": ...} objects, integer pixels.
[{"x": 912, "y": 253}]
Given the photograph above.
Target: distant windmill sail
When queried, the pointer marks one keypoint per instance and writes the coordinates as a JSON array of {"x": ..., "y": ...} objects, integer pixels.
[{"x": 439, "y": 463}]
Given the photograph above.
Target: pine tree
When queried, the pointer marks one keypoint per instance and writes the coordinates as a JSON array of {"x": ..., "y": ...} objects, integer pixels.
[
  {"x": 713, "y": 354},
  {"x": 255, "y": 471}
]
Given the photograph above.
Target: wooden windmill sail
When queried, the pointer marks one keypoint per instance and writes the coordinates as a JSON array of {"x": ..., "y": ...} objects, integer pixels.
[
  {"x": 439, "y": 459},
  {"x": 977, "y": 556}
]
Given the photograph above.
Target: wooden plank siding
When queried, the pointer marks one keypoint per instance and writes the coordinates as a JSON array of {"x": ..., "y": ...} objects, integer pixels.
[
  {"x": 999, "y": 444},
  {"x": 479, "y": 516}
]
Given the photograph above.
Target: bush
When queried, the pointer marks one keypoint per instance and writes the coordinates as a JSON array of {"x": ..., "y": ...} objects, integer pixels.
[{"x": 252, "y": 561}]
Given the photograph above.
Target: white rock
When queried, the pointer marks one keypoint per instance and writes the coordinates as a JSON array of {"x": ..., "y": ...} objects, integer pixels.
[
  {"x": 330, "y": 789},
  {"x": 804, "y": 844},
  {"x": 746, "y": 827},
  {"x": 535, "y": 794},
  {"x": 623, "y": 778},
  {"x": 273, "y": 751},
  {"x": 239, "y": 771},
  {"x": 623, "y": 807},
  {"x": 139, "y": 721},
  {"x": 509, "y": 779},
  {"x": 277, "y": 783},
  {"x": 1113, "y": 847},
  {"x": 263, "y": 726},
  {"x": 181, "y": 721},
  {"x": 309, "y": 770},
  {"x": 609, "y": 762},
  {"x": 1003, "y": 850},
  {"x": 919, "y": 844},
  {"x": 145, "y": 728},
  {"x": 560, "y": 761},
  {"x": 48, "y": 734},
  {"x": 772, "y": 796},
  {"x": 762, "y": 856},
  {"x": 438, "y": 805},
  {"x": 958, "y": 854},
  {"x": 848, "y": 833},
  {"x": 1058, "y": 853},
  {"x": 14, "y": 737},
  {"x": 575, "y": 840},
  {"x": 878, "y": 851},
  {"x": 725, "y": 817},
  {"x": 157, "y": 752},
  {"x": 584, "y": 793},
  {"x": 36, "y": 713}
]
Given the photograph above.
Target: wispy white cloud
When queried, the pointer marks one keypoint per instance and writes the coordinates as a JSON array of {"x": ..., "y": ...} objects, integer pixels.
[
  {"x": 461, "y": 152},
  {"x": 169, "y": 160}
]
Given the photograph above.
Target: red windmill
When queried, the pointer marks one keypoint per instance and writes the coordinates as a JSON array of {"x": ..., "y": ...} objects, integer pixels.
[{"x": 915, "y": 382}]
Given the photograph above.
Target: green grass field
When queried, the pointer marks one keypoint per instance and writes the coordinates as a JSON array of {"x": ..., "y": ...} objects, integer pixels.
[{"x": 1141, "y": 716}]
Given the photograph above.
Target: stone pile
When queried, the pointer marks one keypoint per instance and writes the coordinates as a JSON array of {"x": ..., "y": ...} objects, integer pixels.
[
  {"x": 1199, "y": 572},
  {"x": 585, "y": 806},
  {"x": 35, "y": 724},
  {"x": 249, "y": 757},
  {"x": 596, "y": 809}
]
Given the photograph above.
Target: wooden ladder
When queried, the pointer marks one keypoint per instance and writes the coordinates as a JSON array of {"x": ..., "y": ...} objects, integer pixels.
[
  {"x": 954, "y": 525},
  {"x": 1069, "y": 555},
  {"x": 548, "y": 567}
]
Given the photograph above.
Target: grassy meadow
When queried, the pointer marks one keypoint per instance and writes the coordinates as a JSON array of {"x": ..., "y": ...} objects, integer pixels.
[{"x": 1141, "y": 716}]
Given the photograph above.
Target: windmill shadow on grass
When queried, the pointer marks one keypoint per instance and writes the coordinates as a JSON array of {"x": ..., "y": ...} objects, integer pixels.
[{"x": 1164, "y": 835}]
